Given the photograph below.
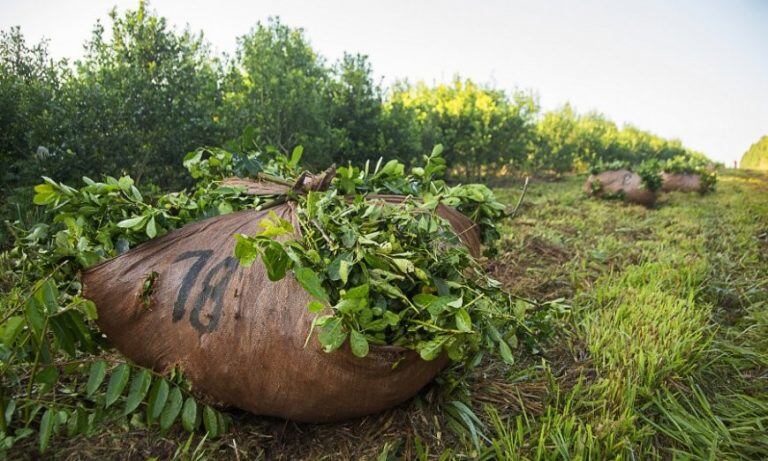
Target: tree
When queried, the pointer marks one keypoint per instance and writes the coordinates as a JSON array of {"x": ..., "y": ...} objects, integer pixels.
[
  {"x": 278, "y": 86},
  {"x": 401, "y": 132},
  {"x": 481, "y": 128},
  {"x": 355, "y": 105},
  {"x": 141, "y": 98},
  {"x": 756, "y": 157},
  {"x": 558, "y": 144},
  {"x": 29, "y": 108}
]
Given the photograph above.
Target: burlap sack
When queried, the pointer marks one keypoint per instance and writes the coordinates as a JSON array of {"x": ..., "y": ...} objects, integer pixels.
[
  {"x": 624, "y": 183},
  {"x": 681, "y": 182},
  {"x": 239, "y": 337}
]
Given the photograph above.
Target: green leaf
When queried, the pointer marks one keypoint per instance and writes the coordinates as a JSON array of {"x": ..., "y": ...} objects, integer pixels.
[
  {"x": 433, "y": 304},
  {"x": 391, "y": 318},
  {"x": 11, "y": 329},
  {"x": 274, "y": 226},
  {"x": 47, "y": 376},
  {"x": 343, "y": 271},
  {"x": 246, "y": 251},
  {"x": 125, "y": 183},
  {"x": 139, "y": 388},
  {"x": 315, "y": 306},
  {"x": 424, "y": 299},
  {"x": 172, "y": 409},
  {"x": 157, "y": 398},
  {"x": 62, "y": 331},
  {"x": 389, "y": 289},
  {"x": 89, "y": 309},
  {"x": 189, "y": 415},
  {"x": 151, "y": 228},
  {"x": 34, "y": 316},
  {"x": 95, "y": 377},
  {"x": 506, "y": 352},
  {"x": 48, "y": 295},
  {"x": 358, "y": 292},
  {"x": 296, "y": 156},
  {"x": 46, "y": 428},
  {"x": 78, "y": 422},
  {"x": 117, "y": 383},
  {"x": 223, "y": 422},
  {"x": 210, "y": 421},
  {"x": 332, "y": 335},
  {"x": 404, "y": 265},
  {"x": 276, "y": 261},
  {"x": 136, "y": 194},
  {"x": 340, "y": 267},
  {"x": 44, "y": 194},
  {"x": 132, "y": 223},
  {"x": 225, "y": 208},
  {"x": 430, "y": 350},
  {"x": 463, "y": 321},
  {"x": 309, "y": 280},
  {"x": 358, "y": 343}
]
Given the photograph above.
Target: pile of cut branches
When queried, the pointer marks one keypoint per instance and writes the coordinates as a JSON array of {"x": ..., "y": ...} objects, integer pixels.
[
  {"x": 649, "y": 171},
  {"x": 692, "y": 166},
  {"x": 380, "y": 273}
]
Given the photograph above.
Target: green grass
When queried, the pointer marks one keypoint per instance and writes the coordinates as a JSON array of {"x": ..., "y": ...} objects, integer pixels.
[
  {"x": 663, "y": 354},
  {"x": 668, "y": 320}
]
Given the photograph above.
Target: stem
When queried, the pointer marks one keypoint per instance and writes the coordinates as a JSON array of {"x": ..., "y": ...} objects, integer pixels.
[
  {"x": 435, "y": 327},
  {"x": 520, "y": 201},
  {"x": 274, "y": 179},
  {"x": 322, "y": 232},
  {"x": 37, "y": 359}
]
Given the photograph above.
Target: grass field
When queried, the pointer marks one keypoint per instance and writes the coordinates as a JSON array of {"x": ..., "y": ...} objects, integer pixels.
[{"x": 663, "y": 352}]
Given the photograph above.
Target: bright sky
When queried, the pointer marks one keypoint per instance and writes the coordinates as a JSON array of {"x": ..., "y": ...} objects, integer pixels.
[{"x": 691, "y": 69}]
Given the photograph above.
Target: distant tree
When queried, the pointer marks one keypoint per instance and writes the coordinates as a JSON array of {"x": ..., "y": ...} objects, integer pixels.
[
  {"x": 355, "y": 104},
  {"x": 481, "y": 128},
  {"x": 401, "y": 130},
  {"x": 30, "y": 109},
  {"x": 141, "y": 98},
  {"x": 558, "y": 143},
  {"x": 596, "y": 140},
  {"x": 756, "y": 157},
  {"x": 278, "y": 86}
]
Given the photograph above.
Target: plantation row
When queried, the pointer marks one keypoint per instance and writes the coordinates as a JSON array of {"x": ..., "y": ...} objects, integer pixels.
[{"x": 145, "y": 94}]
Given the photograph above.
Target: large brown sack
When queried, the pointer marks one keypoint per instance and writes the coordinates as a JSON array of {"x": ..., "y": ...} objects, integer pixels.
[
  {"x": 683, "y": 182},
  {"x": 239, "y": 337},
  {"x": 624, "y": 183}
]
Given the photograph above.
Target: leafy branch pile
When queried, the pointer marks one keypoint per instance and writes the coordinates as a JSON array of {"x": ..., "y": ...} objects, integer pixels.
[
  {"x": 393, "y": 273},
  {"x": 380, "y": 274},
  {"x": 694, "y": 166},
  {"x": 649, "y": 171},
  {"x": 53, "y": 359}
]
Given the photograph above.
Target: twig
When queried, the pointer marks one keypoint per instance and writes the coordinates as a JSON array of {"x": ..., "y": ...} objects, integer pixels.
[
  {"x": 278, "y": 201},
  {"x": 274, "y": 179},
  {"x": 522, "y": 196},
  {"x": 322, "y": 232}
]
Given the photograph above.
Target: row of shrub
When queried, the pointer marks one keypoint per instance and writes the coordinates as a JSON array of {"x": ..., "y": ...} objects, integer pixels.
[{"x": 144, "y": 93}]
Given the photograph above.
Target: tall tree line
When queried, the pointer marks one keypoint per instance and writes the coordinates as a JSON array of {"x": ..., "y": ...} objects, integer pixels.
[{"x": 145, "y": 94}]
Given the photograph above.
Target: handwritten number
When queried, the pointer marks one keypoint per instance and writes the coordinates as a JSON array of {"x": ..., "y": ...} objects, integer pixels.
[
  {"x": 213, "y": 292},
  {"x": 179, "y": 307}
]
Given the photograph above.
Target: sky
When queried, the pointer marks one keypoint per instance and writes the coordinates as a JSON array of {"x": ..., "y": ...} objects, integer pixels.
[{"x": 693, "y": 70}]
